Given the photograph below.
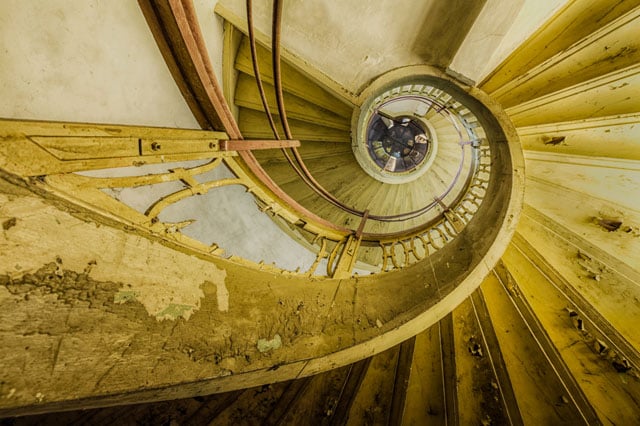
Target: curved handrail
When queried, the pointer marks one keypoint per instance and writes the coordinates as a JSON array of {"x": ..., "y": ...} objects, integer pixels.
[
  {"x": 268, "y": 194},
  {"x": 299, "y": 167}
]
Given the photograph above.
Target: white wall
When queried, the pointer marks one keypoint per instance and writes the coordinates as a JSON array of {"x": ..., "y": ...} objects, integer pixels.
[
  {"x": 86, "y": 61},
  {"x": 354, "y": 41}
]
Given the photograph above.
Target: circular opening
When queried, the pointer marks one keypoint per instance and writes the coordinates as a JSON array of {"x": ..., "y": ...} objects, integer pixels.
[{"x": 397, "y": 144}]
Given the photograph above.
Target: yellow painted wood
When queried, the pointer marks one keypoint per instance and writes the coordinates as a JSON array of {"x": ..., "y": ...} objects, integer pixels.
[
  {"x": 344, "y": 179},
  {"x": 82, "y": 147},
  {"x": 374, "y": 398},
  {"x": 167, "y": 146},
  {"x": 31, "y": 148},
  {"x": 578, "y": 215},
  {"x": 51, "y": 128},
  {"x": 53, "y": 149},
  {"x": 312, "y": 150},
  {"x": 620, "y": 403},
  {"x": 346, "y": 257},
  {"x": 186, "y": 175},
  {"x": 230, "y": 44},
  {"x": 320, "y": 206},
  {"x": 604, "y": 168},
  {"x": 477, "y": 400},
  {"x": 613, "y": 181},
  {"x": 293, "y": 80},
  {"x": 425, "y": 394},
  {"x": 535, "y": 387},
  {"x": 325, "y": 169},
  {"x": 614, "y": 136},
  {"x": 615, "y": 93},
  {"x": 247, "y": 95},
  {"x": 576, "y": 20},
  {"x": 298, "y": 64},
  {"x": 309, "y": 150},
  {"x": 610, "y": 48},
  {"x": 254, "y": 125},
  {"x": 612, "y": 294}
]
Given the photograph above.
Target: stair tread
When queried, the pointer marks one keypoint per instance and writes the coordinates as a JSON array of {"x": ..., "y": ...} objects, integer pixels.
[
  {"x": 247, "y": 95},
  {"x": 425, "y": 403},
  {"x": 309, "y": 150},
  {"x": 293, "y": 81},
  {"x": 373, "y": 401},
  {"x": 255, "y": 125}
]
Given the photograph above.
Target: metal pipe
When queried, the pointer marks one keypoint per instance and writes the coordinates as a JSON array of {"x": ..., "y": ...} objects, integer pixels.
[{"x": 256, "y": 70}]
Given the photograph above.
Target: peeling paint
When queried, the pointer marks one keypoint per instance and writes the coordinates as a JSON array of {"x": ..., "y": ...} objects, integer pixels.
[
  {"x": 223, "y": 296},
  {"x": 9, "y": 223},
  {"x": 174, "y": 311},
  {"x": 156, "y": 277},
  {"x": 124, "y": 297},
  {"x": 265, "y": 345},
  {"x": 221, "y": 292}
]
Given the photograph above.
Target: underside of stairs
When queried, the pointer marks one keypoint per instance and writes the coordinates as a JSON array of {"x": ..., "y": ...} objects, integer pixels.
[
  {"x": 549, "y": 337},
  {"x": 504, "y": 356}
]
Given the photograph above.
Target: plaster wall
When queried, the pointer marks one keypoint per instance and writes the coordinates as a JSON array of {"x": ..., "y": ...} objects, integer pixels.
[
  {"x": 85, "y": 61},
  {"x": 344, "y": 39},
  {"x": 486, "y": 35},
  {"x": 352, "y": 42}
]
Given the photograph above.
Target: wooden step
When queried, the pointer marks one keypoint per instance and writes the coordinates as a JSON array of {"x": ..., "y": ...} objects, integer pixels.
[
  {"x": 293, "y": 81},
  {"x": 589, "y": 347},
  {"x": 373, "y": 402},
  {"x": 309, "y": 150},
  {"x": 425, "y": 403},
  {"x": 316, "y": 403},
  {"x": 255, "y": 125},
  {"x": 478, "y": 388},
  {"x": 247, "y": 95},
  {"x": 536, "y": 387}
]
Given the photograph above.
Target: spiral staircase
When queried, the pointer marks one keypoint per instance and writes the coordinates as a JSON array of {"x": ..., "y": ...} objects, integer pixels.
[{"x": 404, "y": 280}]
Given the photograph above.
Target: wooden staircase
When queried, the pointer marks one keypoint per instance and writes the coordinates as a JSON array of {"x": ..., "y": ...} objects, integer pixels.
[
  {"x": 502, "y": 357},
  {"x": 550, "y": 337},
  {"x": 321, "y": 120}
]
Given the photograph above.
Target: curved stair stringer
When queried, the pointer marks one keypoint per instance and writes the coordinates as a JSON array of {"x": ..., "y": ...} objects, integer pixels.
[
  {"x": 270, "y": 307},
  {"x": 342, "y": 176},
  {"x": 501, "y": 356},
  {"x": 182, "y": 322},
  {"x": 248, "y": 325},
  {"x": 522, "y": 261}
]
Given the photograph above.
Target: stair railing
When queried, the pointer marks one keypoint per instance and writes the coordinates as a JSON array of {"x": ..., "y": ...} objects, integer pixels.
[{"x": 298, "y": 165}]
